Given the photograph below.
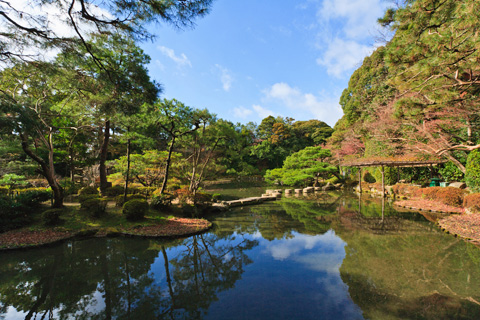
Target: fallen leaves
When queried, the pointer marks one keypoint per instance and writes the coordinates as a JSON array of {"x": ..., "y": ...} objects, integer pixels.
[
  {"x": 23, "y": 238},
  {"x": 176, "y": 227},
  {"x": 171, "y": 228},
  {"x": 466, "y": 226},
  {"x": 428, "y": 205}
]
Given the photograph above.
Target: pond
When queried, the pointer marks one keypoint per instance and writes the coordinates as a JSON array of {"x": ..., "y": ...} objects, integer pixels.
[{"x": 328, "y": 257}]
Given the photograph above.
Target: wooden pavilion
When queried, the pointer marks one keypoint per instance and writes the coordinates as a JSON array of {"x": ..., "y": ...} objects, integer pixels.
[{"x": 360, "y": 163}]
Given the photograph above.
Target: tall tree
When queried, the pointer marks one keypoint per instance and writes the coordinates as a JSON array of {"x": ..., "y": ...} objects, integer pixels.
[
  {"x": 108, "y": 95},
  {"x": 61, "y": 23}
]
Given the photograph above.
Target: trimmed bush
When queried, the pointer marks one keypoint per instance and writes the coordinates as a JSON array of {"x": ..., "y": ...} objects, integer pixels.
[
  {"x": 88, "y": 190},
  {"x": 471, "y": 202},
  {"x": 33, "y": 198},
  {"x": 146, "y": 191},
  {"x": 119, "y": 199},
  {"x": 95, "y": 207},
  {"x": 51, "y": 217},
  {"x": 446, "y": 195},
  {"x": 135, "y": 209},
  {"x": 161, "y": 202},
  {"x": 114, "y": 191},
  {"x": 472, "y": 175},
  {"x": 402, "y": 189}
]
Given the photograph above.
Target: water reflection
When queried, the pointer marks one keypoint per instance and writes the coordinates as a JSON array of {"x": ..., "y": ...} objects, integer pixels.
[{"x": 329, "y": 257}]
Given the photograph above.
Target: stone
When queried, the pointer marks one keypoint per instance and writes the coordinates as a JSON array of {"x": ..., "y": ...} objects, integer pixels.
[
  {"x": 298, "y": 190},
  {"x": 308, "y": 190},
  {"x": 318, "y": 188},
  {"x": 459, "y": 185},
  {"x": 288, "y": 191}
]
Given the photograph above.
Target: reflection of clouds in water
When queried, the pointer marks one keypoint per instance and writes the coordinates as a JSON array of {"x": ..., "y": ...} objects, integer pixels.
[
  {"x": 328, "y": 247},
  {"x": 257, "y": 235},
  {"x": 323, "y": 254}
]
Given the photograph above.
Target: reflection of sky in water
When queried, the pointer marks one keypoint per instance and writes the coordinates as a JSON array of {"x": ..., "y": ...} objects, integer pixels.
[{"x": 296, "y": 278}]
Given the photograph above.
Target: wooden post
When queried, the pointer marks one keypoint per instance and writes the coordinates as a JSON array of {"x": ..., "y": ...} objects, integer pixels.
[
  {"x": 383, "y": 181},
  {"x": 360, "y": 179}
]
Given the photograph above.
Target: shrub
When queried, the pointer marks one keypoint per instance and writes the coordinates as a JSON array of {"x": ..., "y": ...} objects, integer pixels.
[
  {"x": 402, "y": 189},
  {"x": 216, "y": 197},
  {"x": 471, "y": 202},
  {"x": 33, "y": 198},
  {"x": 184, "y": 195},
  {"x": 119, "y": 199},
  {"x": 162, "y": 202},
  {"x": 446, "y": 195},
  {"x": 114, "y": 191},
  {"x": 12, "y": 214},
  {"x": 135, "y": 209},
  {"x": 88, "y": 190},
  {"x": 368, "y": 177},
  {"x": 95, "y": 207},
  {"x": 146, "y": 191},
  {"x": 472, "y": 175},
  {"x": 51, "y": 217},
  {"x": 391, "y": 175}
]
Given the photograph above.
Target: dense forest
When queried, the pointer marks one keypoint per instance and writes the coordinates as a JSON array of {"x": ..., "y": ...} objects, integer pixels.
[
  {"x": 93, "y": 116},
  {"x": 416, "y": 97}
]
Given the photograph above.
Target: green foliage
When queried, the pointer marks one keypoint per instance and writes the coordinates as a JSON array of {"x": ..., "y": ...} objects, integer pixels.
[
  {"x": 94, "y": 207},
  {"x": 368, "y": 177},
  {"x": 135, "y": 209},
  {"x": 391, "y": 175},
  {"x": 12, "y": 214},
  {"x": 114, "y": 191},
  {"x": 302, "y": 167},
  {"x": 51, "y": 217},
  {"x": 88, "y": 190},
  {"x": 12, "y": 180},
  {"x": 33, "y": 198},
  {"x": 162, "y": 201},
  {"x": 472, "y": 175},
  {"x": 450, "y": 172},
  {"x": 119, "y": 200}
]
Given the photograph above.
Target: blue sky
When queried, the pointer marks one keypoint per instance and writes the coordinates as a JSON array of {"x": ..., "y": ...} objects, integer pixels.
[{"x": 248, "y": 59}]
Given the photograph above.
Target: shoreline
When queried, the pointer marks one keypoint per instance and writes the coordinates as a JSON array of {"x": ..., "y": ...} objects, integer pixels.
[{"x": 23, "y": 239}]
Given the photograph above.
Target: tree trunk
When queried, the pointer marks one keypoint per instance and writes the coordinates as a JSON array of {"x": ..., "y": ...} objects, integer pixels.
[
  {"x": 103, "y": 158},
  {"x": 167, "y": 165},
  {"x": 47, "y": 170},
  {"x": 125, "y": 191}
]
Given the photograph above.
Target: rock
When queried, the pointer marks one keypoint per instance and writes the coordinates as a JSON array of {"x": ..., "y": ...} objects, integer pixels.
[
  {"x": 318, "y": 188},
  {"x": 269, "y": 191},
  {"x": 298, "y": 190},
  {"x": 278, "y": 191},
  {"x": 459, "y": 185},
  {"x": 308, "y": 190},
  {"x": 328, "y": 186},
  {"x": 288, "y": 191}
]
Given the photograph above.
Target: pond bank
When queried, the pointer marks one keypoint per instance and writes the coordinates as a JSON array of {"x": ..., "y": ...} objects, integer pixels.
[{"x": 172, "y": 228}]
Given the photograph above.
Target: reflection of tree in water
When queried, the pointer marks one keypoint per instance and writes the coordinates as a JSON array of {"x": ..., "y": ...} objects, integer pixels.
[
  {"x": 378, "y": 216},
  {"x": 207, "y": 266},
  {"x": 412, "y": 275},
  {"x": 66, "y": 282},
  {"x": 316, "y": 213}
]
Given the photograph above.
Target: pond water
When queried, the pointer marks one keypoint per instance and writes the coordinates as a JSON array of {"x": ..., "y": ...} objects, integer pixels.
[{"x": 329, "y": 257}]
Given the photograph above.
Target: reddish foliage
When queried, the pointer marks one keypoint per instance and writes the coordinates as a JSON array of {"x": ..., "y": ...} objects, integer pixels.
[
  {"x": 405, "y": 189},
  {"x": 472, "y": 202},
  {"x": 428, "y": 205},
  {"x": 26, "y": 238},
  {"x": 173, "y": 227},
  {"x": 446, "y": 195},
  {"x": 183, "y": 195}
]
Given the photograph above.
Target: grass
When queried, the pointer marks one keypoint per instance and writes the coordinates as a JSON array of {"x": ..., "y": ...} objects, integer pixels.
[{"x": 76, "y": 222}]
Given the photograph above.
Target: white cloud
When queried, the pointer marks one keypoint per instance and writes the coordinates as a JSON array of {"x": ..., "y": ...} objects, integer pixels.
[
  {"x": 325, "y": 108},
  {"x": 262, "y": 112},
  {"x": 357, "y": 16},
  {"x": 241, "y": 112},
  {"x": 160, "y": 65},
  {"x": 181, "y": 60},
  {"x": 342, "y": 56},
  {"x": 346, "y": 31},
  {"x": 225, "y": 77}
]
